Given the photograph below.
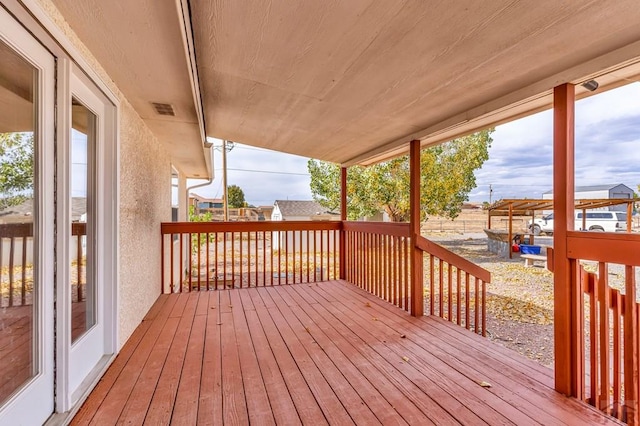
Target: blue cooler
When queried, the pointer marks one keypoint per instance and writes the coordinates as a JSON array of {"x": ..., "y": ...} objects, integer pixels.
[{"x": 525, "y": 249}]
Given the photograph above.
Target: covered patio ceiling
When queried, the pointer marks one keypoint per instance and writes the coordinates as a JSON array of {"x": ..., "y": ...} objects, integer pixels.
[{"x": 353, "y": 81}]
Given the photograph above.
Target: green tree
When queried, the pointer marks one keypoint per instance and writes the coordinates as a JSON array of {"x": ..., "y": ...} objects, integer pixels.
[
  {"x": 447, "y": 177},
  {"x": 235, "y": 197},
  {"x": 16, "y": 168}
]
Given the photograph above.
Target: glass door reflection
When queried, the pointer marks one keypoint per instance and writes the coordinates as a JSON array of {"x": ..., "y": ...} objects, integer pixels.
[{"x": 82, "y": 177}]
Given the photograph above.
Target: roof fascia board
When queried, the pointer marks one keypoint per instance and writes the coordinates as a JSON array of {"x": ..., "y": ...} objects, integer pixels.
[{"x": 190, "y": 55}]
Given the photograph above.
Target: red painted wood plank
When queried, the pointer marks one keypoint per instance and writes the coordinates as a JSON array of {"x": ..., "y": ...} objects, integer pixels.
[
  {"x": 185, "y": 410},
  {"x": 389, "y": 370},
  {"x": 284, "y": 410},
  {"x": 380, "y": 396},
  {"x": 507, "y": 369},
  {"x": 164, "y": 396},
  {"x": 325, "y": 396},
  {"x": 371, "y": 331},
  {"x": 234, "y": 405},
  {"x": 137, "y": 405},
  {"x": 135, "y": 348},
  {"x": 348, "y": 396},
  {"x": 114, "y": 402},
  {"x": 303, "y": 398},
  {"x": 210, "y": 402},
  {"x": 256, "y": 397}
]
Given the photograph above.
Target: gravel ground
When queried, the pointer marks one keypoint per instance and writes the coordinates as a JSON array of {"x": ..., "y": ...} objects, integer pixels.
[{"x": 519, "y": 299}]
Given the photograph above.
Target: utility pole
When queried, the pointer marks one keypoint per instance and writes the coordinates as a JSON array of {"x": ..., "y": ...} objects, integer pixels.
[
  {"x": 225, "y": 203},
  {"x": 490, "y": 193}
]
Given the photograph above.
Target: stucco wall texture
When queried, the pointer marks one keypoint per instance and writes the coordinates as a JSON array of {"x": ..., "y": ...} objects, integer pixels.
[{"x": 145, "y": 200}]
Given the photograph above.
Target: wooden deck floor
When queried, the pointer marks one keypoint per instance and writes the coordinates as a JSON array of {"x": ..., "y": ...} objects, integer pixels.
[{"x": 325, "y": 353}]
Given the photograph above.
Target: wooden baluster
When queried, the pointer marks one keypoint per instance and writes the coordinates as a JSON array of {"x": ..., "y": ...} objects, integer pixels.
[
  {"x": 240, "y": 257},
  {"x": 308, "y": 258},
  {"x": 217, "y": 260},
  {"x": 321, "y": 255},
  {"x": 233, "y": 261},
  {"x": 199, "y": 248},
  {"x": 293, "y": 256},
  {"x": 335, "y": 235},
  {"x": 605, "y": 303},
  {"x": 484, "y": 308},
  {"x": 182, "y": 271},
  {"x": 477, "y": 311},
  {"x": 432, "y": 287},
  {"x": 406, "y": 274},
  {"x": 286, "y": 257},
  {"x": 272, "y": 268},
  {"x": 591, "y": 284},
  {"x": 441, "y": 282},
  {"x": 450, "y": 291},
  {"x": 617, "y": 354},
  {"x": 257, "y": 254},
  {"x": 79, "y": 265},
  {"x": 224, "y": 261},
  {"x": 248, "y": 257},
  {"x": 264, "y": 258},
  {"x": 458, "y": 288},
  {"x": 466, "y": 302},
  {"x": 171, "y": 262},
  {"x": 207, "y": 261}
]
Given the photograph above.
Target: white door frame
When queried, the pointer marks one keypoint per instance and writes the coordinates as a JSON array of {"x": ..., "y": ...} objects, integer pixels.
[
  {"x": 35, "y": 400},
  {"x": 75, "y": 376}
]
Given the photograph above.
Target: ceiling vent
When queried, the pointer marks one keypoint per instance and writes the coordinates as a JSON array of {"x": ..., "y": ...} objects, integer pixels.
[{"x": 164, "y": 109}]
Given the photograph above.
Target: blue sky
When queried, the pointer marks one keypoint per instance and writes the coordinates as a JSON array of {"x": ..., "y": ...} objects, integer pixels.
[{"x": 520, "y": 158}]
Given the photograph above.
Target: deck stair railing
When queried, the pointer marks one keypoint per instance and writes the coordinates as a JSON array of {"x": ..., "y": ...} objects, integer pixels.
[{"x": 456, "y": 289}]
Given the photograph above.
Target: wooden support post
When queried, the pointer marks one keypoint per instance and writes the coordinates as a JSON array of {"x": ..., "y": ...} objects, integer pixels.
[
  {"x": 569, "y": 359},
  {"x": 343, "y": 218},
  {"x": 489, "y": 219},
  {"x": 510, "y": 232},
  {"x": 629, "y": 216},
  {"x": 417, "y": 275}
]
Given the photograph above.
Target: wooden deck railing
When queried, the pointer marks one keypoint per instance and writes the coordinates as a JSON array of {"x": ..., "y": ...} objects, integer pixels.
[
  {"x": 377, "y": 259},
  {"x": 456, "y": 289},
  {"x": 16, "y": 263},
  {"x": 608, "y": 350},
  {"x": 215, "y": 255}
]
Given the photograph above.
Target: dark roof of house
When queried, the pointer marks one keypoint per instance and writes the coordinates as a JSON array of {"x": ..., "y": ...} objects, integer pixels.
[
  {"x": 78, "y": 208},
  {"x": 301, "y": 208},
  {"x": 590, "y": 188}
]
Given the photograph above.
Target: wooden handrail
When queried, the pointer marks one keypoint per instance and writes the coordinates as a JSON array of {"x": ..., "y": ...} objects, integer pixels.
[
  {"x": 387, "y": 228},
  {"x": 204, "y": 227},
  {"x": 604, "y": 247},
  {"x": 453, "y": 259}
]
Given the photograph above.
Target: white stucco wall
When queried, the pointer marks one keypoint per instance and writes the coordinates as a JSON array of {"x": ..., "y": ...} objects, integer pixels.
[{"x": 145, "y": 200}]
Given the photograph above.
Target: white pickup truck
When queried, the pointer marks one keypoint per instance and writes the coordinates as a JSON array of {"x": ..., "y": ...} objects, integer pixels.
[{"x": 601, "y": 221}]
